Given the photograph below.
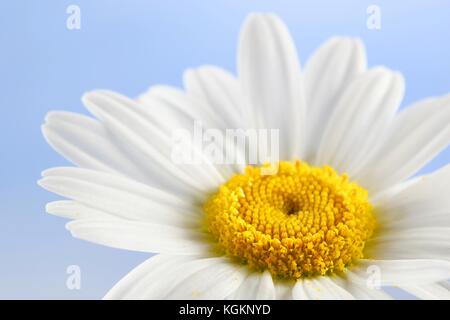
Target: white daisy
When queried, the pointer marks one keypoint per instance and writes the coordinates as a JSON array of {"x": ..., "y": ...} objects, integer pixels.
[{"x": 224, "y": 232}]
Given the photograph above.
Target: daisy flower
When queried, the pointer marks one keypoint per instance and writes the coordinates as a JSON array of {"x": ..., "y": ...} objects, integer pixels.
[{"x": 342, "y": 217}]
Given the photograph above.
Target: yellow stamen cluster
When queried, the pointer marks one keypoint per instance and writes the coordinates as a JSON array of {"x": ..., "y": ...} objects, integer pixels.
[{"x": 301, "y": 221}]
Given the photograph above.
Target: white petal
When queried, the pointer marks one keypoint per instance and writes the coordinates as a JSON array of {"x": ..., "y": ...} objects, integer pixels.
[
  {"x": 319, "y": 288},
  {"x": 415, "y": 220},
  {"x": 437, "y": 234},
  {"x": 404, "y": 251},
  {"x": 412, "y": 243},
  {"x": 433, "y": 291},
  {"x": 75, "y": 210},
  {"x": 219, "y": 89},
  {"x": 256, "y": 286},
  {"x": 175, "y": 277},
  {"x": 361, "y": 117},
  {"x": 172, "y": 107},
  {"x": 416, "y": 136},
  {"x": 158, "y": 284},
  {"x": 354, "y": 285},
  {"x": 86, "y": 143},
  {"x": 177, "y": 110},
  {"x": 299, "y": 291},
  {"x": 421, "y": 219},
  {"x": 269, "y": 72},
  {"x": 214, "y": 279},
  {"x": 139, "y": 236},
  {"x": 179, "y": 102},
  {"x": 424, "y": 203},
  {"x": 120, "y": 196},
  {"x": 141, "y": 279},
  {"x": 445, "y": 284},
  {"x": 221, "y": 93},
  {"x": 403, "y": 272},
  {"x": 383, "y": 195},
  {"x": 283, "y": 289},
  {"x": 327, "y": 73},
  {"x": 132, "y": 126}
]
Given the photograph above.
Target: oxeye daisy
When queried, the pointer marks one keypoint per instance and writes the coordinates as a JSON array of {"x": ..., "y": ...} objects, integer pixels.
[{"x": 341, "y": 217}]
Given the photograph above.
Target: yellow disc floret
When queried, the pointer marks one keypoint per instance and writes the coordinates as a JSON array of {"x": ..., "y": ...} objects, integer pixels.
[{"x": 298, "y": 222}]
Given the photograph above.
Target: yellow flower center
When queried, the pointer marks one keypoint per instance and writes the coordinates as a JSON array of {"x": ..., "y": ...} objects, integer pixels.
[{"x": 298, "y": 222}]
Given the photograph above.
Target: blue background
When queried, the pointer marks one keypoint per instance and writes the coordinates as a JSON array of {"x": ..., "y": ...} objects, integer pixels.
[{"x": 127, "y": 46}]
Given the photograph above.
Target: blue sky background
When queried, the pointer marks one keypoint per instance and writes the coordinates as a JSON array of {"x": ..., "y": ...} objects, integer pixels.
[{"x": 127, "y": 46}]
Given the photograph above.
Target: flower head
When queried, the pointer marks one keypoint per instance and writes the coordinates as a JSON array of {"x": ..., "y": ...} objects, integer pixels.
[{"x": 338, "y": 218}]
